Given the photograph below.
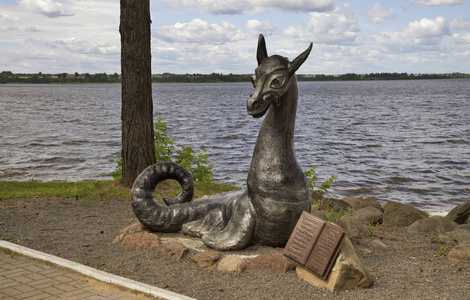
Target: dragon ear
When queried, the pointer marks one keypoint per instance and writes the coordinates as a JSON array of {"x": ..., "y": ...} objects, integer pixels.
[
  {"x": 261, "y": 53},
  {"x": 299, "y": 60}
]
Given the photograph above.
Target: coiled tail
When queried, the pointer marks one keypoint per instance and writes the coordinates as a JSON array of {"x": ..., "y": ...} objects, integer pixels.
[{"x": 177, "y": 211}]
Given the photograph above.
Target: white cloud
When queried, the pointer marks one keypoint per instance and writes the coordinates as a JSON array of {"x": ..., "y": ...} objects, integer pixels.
[
  {"x": 326, "y": 28},
  {"x": 297, "y": 5},
  {"x": 231, "y": 7},
  {"x": 461, "y": 38},
  {"x": 460, "y": 24},
  {"x": 256, "y": 27},
  {"x": 32, "y": 29},
  {"x": 47, "y": 8},
  {"x": 87, "y": 41},
  {"x": 83, "y": 46},
  {"x": 200, "y": 32},
  {"x": 211, "y": 6},
  {"x": 202, "y": 58},
  {"x": 379, "y": 14},
  {"x": 9, "y": 17},
  {"x": 423, "y": 35},
  {"x": 436, "y": 2},
  {"x": 427, "y": 28}
]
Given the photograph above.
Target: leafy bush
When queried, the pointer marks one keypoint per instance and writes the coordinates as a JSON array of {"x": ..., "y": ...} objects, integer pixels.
[
  {"x": 334, "y": 216},
  {"x": 312, "y": 177},
  {"x": 164, "y": 143},
  {"x": 195, "y": 162}
]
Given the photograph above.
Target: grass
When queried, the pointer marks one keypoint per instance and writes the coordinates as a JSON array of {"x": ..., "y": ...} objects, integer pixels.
[{"x": 98, "y": 190}]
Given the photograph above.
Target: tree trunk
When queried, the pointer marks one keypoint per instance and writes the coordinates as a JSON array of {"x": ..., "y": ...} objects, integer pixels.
[{"x": 138, "y": 148}]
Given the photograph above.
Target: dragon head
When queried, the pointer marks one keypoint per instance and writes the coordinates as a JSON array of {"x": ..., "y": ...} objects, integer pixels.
[{"x": 272, "y": 78}]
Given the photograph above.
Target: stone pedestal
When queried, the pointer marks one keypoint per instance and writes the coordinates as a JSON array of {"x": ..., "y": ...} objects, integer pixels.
[{"x": 347, "y": 272}]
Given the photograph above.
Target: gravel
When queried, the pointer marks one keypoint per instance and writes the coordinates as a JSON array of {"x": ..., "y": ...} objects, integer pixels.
[{"x": 403, "y": 265}]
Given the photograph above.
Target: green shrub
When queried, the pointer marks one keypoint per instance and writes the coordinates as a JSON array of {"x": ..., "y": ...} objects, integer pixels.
[
  {"x": 195, "y": 162},
  {"x": 164, "y": 143},
  {"x": 334, "y": 216},
  {"x": 371, "y": 229},
  {"x": 312, "y": 177}
]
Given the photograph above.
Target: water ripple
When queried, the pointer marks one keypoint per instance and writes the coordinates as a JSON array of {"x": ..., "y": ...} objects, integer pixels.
[{"x": 405, "y": 141}]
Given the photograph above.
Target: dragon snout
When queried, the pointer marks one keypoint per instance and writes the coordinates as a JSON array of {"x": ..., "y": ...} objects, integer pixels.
[{"x": 258, "y": 106}]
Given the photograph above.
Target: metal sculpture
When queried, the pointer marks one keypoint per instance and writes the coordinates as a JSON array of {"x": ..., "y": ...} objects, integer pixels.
[{"x": 277, "y": 189}]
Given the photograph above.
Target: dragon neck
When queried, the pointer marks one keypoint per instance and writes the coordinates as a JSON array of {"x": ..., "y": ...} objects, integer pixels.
[{"x": 274, "y": 161}]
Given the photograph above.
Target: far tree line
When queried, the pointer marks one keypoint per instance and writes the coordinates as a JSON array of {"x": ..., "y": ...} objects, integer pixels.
[{"x": 10, "y": 77}]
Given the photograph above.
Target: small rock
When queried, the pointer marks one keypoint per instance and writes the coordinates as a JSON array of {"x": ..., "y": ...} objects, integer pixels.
[
  {"x": 232, "y": 264},
  {"x": 330, "y": 204},
  {"x": 206, "y": 259},
  {"x": 461, "y": 234},
  {"x": 368, "y": 215},
  {"x": 460, "y": 214},
  {"x": 270, "y": 264},
  {"x": 142, "y": 239},
  {"x": 353, "y": 226},
  {"x": 434, "y": 224},
  {"x": 319, "y": 214},
  {"x": 378, "y": 244},
  {"x": 444, "y": 238},
  {"x": 399, "y": 214},
  {"x": 358, "y": 203},
  {"x": 131, "y": 229},
  {"x": 316, "y": 195},
  {"x": 348, "y": 272},
  {"x": 174, "y": 249},
  {"x": 460, "y": 252}
]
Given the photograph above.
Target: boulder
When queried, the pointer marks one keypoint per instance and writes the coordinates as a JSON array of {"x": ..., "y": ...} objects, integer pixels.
[
  {"x": 142, "y": 239},
  {"x": 316, "y": 195},
  {"x": 400, "y": 215},
  {"x": 358, "y": 203},
  {"x": 348, "y": 271},
  {"x": 460, "y": 214},
  {"x": 461, "y": 234},
  {"x": 131, "y": 229},
  {"x": 206, "y": 259},
  {"x": 174, "y": 249},
  {"x": 377, "y": 244},
  {"x": 270, "y": 264},
  {"x": 369, "y": 214},
  {"x": 319, "y": 214},
  {"x": 330, "y": 204},
  {"x": 354, "y": 227},
  {"x": 232, "y": 264},
  {"x": 460, "y": 252},
  {"x": 434, "y": 224},
  {"x": 444, "y": 238}
]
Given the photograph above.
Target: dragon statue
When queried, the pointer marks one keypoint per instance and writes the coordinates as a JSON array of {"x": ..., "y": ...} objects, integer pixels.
[{"x": 277, "y": 188}]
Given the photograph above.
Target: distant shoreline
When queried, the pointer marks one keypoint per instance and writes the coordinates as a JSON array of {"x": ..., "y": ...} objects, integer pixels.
[{"x": 9, "y": 77}]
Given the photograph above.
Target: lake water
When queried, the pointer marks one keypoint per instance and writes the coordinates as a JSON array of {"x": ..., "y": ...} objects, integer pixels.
[{"x": 405, "y": 141}]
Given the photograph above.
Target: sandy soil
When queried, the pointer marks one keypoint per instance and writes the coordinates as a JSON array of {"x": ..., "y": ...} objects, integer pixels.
[{"x": 404, "y": 266}]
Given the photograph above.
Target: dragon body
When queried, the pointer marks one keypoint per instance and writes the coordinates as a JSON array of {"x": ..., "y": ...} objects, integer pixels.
[{"x": 277, "y": 190}]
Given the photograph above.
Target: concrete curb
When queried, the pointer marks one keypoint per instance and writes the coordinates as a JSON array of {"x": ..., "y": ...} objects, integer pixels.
[{"x": 94, "y": 273}]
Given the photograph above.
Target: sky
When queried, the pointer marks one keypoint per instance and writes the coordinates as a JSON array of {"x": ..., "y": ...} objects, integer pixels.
[{"x": 206, "y": 36}]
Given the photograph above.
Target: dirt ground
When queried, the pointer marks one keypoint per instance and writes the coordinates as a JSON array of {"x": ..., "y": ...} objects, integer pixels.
[{"x": 403, "y": 266}]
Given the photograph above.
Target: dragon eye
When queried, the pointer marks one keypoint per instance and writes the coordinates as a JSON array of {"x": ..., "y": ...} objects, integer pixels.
[
  {"x": 253, "y": 82},
  {"x": 278, "y": 82}
]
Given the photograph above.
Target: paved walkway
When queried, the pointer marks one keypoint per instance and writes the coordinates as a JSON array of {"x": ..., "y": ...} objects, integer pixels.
[
  {"x": 29, "y": 274},
  {"x": 25, "y": 278}
]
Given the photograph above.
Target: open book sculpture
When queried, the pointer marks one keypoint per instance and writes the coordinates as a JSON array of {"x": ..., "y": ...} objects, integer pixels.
[{"x": 277, "y": 190}]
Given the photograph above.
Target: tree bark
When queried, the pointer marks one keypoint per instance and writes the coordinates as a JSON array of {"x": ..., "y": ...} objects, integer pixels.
[{"x": 138, "y": 148}]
